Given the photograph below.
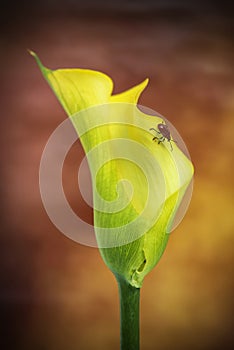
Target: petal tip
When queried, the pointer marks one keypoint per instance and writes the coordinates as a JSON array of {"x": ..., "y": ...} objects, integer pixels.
[
  {"x": 43, "y": 69},
  {"x": 32, "y": 53}
]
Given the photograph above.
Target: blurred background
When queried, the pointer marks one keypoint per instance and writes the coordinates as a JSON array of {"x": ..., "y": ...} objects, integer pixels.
[{"x": 57, "y": 294}]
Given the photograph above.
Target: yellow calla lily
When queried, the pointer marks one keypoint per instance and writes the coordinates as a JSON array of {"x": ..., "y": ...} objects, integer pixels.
[{"x": 132, "y": 235}]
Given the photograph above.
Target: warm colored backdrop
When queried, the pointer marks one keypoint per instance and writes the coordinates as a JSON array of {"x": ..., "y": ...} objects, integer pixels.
[{"x": 56, "y": 294}]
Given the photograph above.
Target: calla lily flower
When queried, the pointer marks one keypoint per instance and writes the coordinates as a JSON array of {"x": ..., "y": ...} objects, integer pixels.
[
  {"x": 138, "y": 184},
  {"x": 133, "y": 234}
]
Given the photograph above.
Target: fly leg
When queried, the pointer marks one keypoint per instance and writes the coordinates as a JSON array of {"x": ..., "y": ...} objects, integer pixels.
[
  {"x": 171, "y": 144},
  {"x": 161, "y": 139}
]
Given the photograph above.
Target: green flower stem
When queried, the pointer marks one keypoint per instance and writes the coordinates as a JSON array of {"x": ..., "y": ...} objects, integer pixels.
[{"x": 129, "y": 315}]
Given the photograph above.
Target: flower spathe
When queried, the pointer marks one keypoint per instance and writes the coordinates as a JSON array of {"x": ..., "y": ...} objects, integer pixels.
[{"x": 138, "y": 233}]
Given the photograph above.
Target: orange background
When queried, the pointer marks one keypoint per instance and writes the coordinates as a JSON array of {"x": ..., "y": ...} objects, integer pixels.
[{"x": 56, "y": 294}]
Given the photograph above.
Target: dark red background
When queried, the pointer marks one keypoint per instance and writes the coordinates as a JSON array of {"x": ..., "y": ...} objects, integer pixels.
[{"x": 56, "y": 294}]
